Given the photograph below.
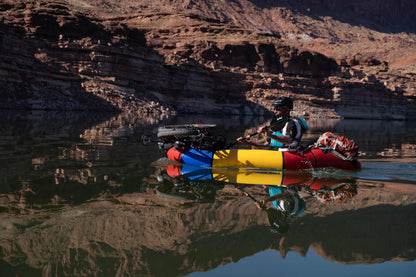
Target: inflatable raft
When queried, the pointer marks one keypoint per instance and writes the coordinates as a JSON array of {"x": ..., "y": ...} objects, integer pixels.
[{"x": 259, "y": 158}]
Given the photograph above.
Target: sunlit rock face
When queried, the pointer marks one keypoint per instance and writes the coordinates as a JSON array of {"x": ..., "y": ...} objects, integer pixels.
[{"x": 151, "y": 58}]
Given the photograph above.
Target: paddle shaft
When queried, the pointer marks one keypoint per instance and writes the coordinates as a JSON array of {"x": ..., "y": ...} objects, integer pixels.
[
  {"x": 252, "y": 198},
  {"x": 274, "y": 220},
  {"x": 146, "y": 140},
  {"x": 251, "y": 135}
]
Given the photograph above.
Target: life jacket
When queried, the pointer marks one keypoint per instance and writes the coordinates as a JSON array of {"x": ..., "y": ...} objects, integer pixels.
[
  {"x": 303, "y": 129},
  {"x": 343, "y": 147},
  {"x": 304, "y": 126}
]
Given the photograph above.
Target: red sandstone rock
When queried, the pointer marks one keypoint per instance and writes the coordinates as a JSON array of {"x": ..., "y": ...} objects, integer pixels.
[{"x": 66, "y": 57}]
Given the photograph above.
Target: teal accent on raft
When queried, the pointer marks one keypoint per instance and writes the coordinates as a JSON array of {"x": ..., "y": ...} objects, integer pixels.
[{"x": 274, "y": 143}]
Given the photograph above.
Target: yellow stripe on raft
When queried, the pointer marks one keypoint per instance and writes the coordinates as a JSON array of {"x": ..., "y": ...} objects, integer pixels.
[
  {"x": 247, "y": 177},
  {"x": 248, "y": 158}
]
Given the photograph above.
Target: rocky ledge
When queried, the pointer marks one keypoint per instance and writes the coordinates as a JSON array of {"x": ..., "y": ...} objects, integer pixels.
[{"x": 66, "y": 55}]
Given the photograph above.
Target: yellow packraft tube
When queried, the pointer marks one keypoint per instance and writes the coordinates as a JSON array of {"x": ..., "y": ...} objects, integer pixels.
[
  {"x": 247, "y": 177},
  {"x": 248, "y": 158}
]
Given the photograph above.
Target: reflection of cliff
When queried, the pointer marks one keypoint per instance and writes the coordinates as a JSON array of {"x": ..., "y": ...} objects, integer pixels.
[
  {"x": 149, "y": 235},
  {"x": 367, "y": 236},
  {"x": 384, "y": 138},
  {"x": 373, "y": 227},
  {"x": 127, "y": 238},
  {"x": 120, "y": 126},
  {"x": 58, "y": 158},
  {"x": 29, "y": 140}
]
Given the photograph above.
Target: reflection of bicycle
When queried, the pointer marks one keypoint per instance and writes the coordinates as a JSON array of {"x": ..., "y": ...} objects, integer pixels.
[
  {"x": 181, "y": 188},
  {"x": 199, "y": 193}
]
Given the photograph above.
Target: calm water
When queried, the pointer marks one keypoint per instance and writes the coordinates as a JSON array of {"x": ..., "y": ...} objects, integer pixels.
[{"x": 80, "y": 195}]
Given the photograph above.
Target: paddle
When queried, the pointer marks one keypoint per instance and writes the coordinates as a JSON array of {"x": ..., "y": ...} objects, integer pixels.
[
  {"x": 276, "y": 219},
  {"x": 146, "y": 140},
  {"x": 252, "y": 134}
]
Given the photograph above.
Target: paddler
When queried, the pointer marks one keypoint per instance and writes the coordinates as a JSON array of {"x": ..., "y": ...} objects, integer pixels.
[{"x": 284, "y": 131}]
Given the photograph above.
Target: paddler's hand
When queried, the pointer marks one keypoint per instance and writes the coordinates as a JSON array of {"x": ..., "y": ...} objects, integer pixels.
[
  {"x": 265, "y": 131},
  {"x": 262, "y": 130},
  {"x": 241, "y": 139}
]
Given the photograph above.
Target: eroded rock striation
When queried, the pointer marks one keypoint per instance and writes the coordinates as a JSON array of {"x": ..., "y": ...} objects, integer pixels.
[{"x": 161, "y": 59}]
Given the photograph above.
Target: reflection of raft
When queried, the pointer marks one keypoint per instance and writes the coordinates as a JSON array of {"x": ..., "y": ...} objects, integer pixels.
[
  {"x": 199, "y": 183},
  {"x": 255, "y": 177},
  {"x": 257, "y": 158}
]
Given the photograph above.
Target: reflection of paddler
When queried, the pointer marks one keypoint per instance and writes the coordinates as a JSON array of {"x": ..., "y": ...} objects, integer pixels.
[
  {"x": 277, "y": 219},
  {"x": 286, "y": 199},
  {"x": 280, "y": 182},
  {"x": 283, "y": 188}
]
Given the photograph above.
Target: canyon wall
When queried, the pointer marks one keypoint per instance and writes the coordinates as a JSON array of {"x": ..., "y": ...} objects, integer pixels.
[{"x": 60, "y": 56}]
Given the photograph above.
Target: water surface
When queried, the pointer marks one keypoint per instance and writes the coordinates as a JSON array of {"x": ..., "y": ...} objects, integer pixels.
[{"x": 78, "y": 196}]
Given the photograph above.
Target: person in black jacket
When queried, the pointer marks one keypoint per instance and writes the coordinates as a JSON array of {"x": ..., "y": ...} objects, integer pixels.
[{"x": 284, "y": 132}]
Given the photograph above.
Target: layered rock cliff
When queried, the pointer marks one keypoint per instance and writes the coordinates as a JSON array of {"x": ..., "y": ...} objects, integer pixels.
[{"x": 160, "y": 57}]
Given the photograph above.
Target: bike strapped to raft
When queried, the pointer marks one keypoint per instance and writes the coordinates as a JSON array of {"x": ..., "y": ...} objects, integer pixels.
[{"x": 198, "y": 136}]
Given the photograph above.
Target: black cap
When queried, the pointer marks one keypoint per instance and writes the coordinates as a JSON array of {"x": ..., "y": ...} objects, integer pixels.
[{"x": 283, "y": 102}]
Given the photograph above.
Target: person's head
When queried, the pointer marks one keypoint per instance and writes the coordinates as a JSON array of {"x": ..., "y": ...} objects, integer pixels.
[{"x": 282, "y": 106}]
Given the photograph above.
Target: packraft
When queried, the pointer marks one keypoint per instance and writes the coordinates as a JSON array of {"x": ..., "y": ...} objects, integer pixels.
[
  {"x": 198, "y": 145},
  {"x": 260, "y": 158}
]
